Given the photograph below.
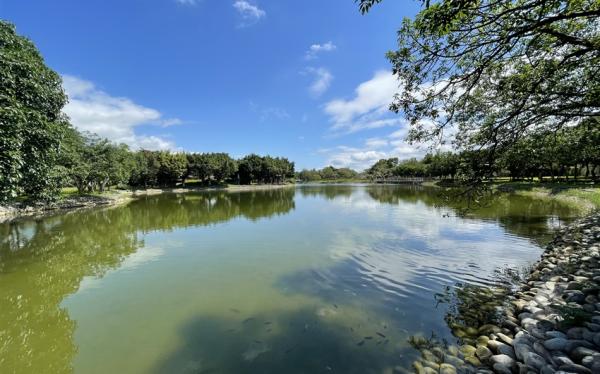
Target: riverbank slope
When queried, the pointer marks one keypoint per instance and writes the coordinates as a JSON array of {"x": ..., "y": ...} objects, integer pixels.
[{"x": 18, "y": 210}]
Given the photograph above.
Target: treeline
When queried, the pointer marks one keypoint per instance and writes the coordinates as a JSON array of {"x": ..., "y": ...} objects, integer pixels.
[
  {"x": 94, "y": 164},
  {"x": 328, "y": 173},
  {"x": 441, "y": 165},
  {"x": 571, "y": 152}
]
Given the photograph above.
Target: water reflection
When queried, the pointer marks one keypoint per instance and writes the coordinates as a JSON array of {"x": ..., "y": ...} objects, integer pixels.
[
  {"x": 294, "y": 342},
  {"x": 331, "y": 277},
  {"x": 43, "y": 261}
]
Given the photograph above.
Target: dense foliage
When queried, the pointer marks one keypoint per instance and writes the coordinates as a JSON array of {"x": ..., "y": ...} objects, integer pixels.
[
  {"x": 31, "y": 123},
  {"x": 93, "y": 164},
  {"x": 254, "y": 168},
  {"x": 490, "y": 73},
  {"x": 328, "y": 173}
]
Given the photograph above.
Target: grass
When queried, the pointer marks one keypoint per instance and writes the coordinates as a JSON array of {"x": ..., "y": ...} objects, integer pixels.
[{"x": 582, "y": 195}]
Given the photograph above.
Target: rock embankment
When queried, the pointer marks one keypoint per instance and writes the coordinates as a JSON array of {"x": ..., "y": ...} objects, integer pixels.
[
  {"x": 18, "y": 210},
  {"x": 551, "y": 324},
  {"x": 554, "y": 318}
]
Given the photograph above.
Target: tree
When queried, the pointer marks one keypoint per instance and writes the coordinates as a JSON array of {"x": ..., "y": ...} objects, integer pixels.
[
  {"x": 250, "y": 168},
  {"x": 31, "y": 123},
  {"x": 172, "y": 169},
  {"x": 145, "y": 166},
  {"x": 495, "y": 71},
  {"x": 383, "y": 168}
]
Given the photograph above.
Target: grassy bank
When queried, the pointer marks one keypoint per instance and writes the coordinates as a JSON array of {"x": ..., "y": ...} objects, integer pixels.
[{"x": 583, "y": 196}]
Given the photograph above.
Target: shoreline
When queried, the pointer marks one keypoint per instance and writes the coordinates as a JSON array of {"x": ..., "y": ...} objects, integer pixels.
[
  {"x": 16, "y": 211},
  {"x": 549, "y": 324}
]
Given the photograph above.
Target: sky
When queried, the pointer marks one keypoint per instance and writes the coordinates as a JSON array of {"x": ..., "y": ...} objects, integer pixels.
[{"x": 307, "y": 80}]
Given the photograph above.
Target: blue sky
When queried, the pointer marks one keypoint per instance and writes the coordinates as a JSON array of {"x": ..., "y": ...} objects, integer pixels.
[{"x": 307, "y": 79}]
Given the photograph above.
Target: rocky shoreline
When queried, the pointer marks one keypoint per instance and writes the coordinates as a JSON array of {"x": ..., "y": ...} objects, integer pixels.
[
  {"x": 19, "y": 210},
  {"x": 550, "y": 324}
]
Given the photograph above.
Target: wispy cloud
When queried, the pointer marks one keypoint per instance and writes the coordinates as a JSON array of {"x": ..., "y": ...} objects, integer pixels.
[
  {"x": 315, "y": 49},
  {"x": 269, "y": 113},
  {"x": 368, "y": 108},
  {"x": 322, "y": 80},
  {"x": 114, "y": 118},
  {"x": 187, "y": 2},
  {"x": 249, "y": 13}
]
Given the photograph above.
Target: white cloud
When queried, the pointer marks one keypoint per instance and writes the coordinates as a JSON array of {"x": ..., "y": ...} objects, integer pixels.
[
  {"x": 322, "y": 80},
  {"x": 315, "y": 49},
  {"x": 250, "y": 13},
  {"x": 374, "y": 149},
  {"x": 369, "y": 106},
  {"x": 114, "y": 118}
]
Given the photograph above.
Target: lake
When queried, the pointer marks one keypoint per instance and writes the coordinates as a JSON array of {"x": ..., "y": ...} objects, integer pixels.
[{"x": 311, "y": 279}]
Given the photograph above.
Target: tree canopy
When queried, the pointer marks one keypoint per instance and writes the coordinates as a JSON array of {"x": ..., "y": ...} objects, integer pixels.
[
  {"x": 31, "y": 122},
  {"x": 487, "y": 73}
]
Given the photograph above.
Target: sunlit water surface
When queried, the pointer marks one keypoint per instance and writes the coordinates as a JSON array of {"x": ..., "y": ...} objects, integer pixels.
[{"x": 305, "y": 280}]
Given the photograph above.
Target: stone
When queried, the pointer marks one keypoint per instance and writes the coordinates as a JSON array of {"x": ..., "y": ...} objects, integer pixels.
[
  {"x": 431, "y": 364},
  {"x": 506, "y": 349},
  {"x": 453, "y": 350},
  {"x": 455, "y": 361},
  {"x": 555, "y": 334},
  {"x": 574, "y": 344},
  {"x": 580, "y": 352},
  {"x": 482, "y": 340},
  {"x": 504, "y": 360},
  {"x": 483, "y": 353},
  {"x": 419, "y": 369},
  {"x": 488, "y": 329},
  {"x": 447, "y": 369},
  {"x": 521, "y": 350},
  {"x": 467, "y": 350},
  {"x": 523, "y": 338},
  {"x": 562, "y": 359},
  {"x": 534, "y": 361},
  {"x": 591, "y": 362},
  {"x": 575, "y": 333},
  {"x": 473, "y": 360},
  {"x": 574, "y": 368},
  {"x": 555, "y": 344},
  {"x": 506, "y": 339},
  {"x": 428, "y": 355},
  {"x": 547, "y": 369},
  {"x": 501, "y": 369}
]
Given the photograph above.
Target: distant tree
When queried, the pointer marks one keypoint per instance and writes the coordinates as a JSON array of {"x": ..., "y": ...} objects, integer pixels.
[
  {"x": 31, "y": 123},
  {"x": 410, "y": 168},
  {"x": 383, "y": 168},
  {"x": 311, "y": 175}
]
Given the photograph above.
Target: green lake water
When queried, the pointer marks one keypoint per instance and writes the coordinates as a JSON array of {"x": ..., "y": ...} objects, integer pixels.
[{"x": 312, "y": 279}]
